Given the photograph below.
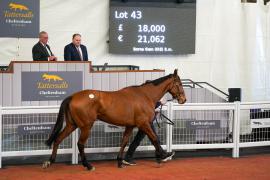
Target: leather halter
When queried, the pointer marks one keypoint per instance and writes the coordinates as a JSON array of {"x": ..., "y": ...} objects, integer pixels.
[{"x": 178, "y": 93}]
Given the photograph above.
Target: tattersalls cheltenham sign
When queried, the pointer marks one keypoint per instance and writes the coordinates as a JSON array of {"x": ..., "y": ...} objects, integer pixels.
[
  {"x": 50, "y": 86},
  {"x": 19, "y": 18}
]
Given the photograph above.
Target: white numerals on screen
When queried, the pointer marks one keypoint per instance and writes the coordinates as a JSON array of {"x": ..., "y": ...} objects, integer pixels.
[
  {"x": 136, "y": 14},
  {"x": 151, "y": 39},
  {"x": 151, "y": 28}
]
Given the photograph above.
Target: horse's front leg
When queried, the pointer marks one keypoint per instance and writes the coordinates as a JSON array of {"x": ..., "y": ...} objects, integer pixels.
[
  {"x": 149, "y": 130},
  {"x": 124, "y": 142}
]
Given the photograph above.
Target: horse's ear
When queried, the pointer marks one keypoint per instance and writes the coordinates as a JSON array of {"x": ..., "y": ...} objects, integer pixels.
[{"x": 175, "y": 72}]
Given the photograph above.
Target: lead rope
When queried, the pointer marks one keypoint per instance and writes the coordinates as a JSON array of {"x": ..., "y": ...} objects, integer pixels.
[{"x": 167, "y": 120}]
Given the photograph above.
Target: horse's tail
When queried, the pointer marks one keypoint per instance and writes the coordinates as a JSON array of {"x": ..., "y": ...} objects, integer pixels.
[{"x": 64, "y": 109}]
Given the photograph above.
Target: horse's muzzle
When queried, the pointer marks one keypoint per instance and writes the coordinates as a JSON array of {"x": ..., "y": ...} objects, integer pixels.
[{"x": 182, "y": 100}]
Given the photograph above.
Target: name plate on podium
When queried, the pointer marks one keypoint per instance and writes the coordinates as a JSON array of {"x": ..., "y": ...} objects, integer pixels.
[{"x": 47, "y": 86}]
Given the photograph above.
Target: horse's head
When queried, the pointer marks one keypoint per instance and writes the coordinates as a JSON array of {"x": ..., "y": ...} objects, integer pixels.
[{"x": 176, "y": 89}]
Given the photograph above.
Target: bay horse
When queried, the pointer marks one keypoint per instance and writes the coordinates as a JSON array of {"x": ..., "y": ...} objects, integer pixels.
[{"x": 130, "y": 107}]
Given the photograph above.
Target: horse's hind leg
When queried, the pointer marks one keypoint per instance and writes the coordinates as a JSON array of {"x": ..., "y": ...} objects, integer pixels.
[
  {"x": 67, "y": 130},
  {"x": 83, "y": 137},
  {"x": 124, "y": 142}
]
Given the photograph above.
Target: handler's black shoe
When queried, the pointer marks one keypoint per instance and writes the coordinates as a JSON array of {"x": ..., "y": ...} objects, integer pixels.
[
  {"x": 129, "y": 162},
  {"x": 167, "y": 156}
]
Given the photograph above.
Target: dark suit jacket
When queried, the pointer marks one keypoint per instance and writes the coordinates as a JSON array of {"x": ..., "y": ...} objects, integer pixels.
[
  {"x": 40, "y": 53},
  {"x": 71, "y": 53}
]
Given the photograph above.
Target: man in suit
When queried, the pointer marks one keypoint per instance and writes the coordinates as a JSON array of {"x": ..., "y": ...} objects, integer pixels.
[
  {"x": 42, "y": 51},
  {"x": 75, "y": 51}
]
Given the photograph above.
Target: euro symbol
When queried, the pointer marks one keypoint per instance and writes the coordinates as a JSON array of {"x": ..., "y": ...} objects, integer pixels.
[{"x": 120, "y": 38}]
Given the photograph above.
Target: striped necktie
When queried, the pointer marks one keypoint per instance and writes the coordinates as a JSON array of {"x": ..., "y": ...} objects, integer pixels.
[{"x": 79, "y": 52}]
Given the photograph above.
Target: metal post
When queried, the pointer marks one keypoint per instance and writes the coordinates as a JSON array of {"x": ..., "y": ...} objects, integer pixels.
[
  {"x": 1, "y": 132},
  {"x": 169, "y": 127},
  {"x": 74, "y": 147},
  {"x": 236, "y": 130}
]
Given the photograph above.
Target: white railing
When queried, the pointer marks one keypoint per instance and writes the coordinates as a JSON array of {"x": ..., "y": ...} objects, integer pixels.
[
  {"x": 232, "y": 130},
  {"x": 215, "y": 108}
]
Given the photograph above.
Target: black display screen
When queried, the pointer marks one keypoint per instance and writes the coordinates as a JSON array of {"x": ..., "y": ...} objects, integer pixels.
[{"x": 152, "y": 28}]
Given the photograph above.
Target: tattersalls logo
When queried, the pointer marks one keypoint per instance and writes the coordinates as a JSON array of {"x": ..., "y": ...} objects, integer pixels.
[
  {"x": 46, "y": 76},
  {"x": 50, "y": 86},
  {"x": 21, "y": 7},
  {"x": 51, "y": 81},
  {"x": 17, "y": 14}
]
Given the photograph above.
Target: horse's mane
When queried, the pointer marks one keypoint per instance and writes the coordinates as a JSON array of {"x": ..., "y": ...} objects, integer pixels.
[
  {"x": 158, "y": 81},
  {"x": 155, "y": 82}
]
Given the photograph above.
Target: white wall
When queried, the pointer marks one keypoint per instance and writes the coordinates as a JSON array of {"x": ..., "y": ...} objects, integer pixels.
[{"x": 232, "y": 42}]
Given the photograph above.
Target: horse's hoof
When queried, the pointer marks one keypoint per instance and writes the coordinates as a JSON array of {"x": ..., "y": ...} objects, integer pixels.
[
  {"x": 159, "y": 165},
  {"x": 121, "y": 166},
  {"x": 91, "y": 168},
  {"x": 158, "y": 161},
  {"x": 46, "y": 164}
]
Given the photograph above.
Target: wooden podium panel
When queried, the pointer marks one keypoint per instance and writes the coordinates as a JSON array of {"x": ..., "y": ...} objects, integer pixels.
[{"x": 11, "y": 85}]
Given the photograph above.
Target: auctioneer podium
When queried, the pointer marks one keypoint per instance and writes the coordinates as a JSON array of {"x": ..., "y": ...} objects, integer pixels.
[{"x": 33, "y": 83}]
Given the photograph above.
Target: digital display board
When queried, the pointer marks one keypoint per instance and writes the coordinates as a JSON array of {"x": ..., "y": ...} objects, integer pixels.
[{"x": 152, "y": 28}]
